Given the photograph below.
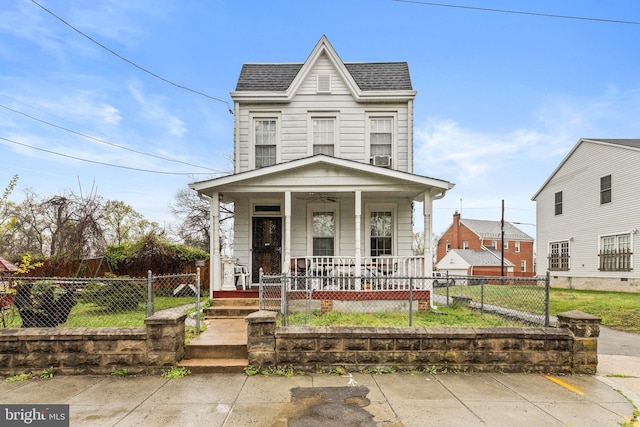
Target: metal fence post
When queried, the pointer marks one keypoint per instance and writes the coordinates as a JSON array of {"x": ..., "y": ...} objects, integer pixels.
[
  {"x": 410, "y": 301},
  {"x": 283, "y": 298},
  {"x": 149, "y": 294},
  {"x": 482, "y": 282},
  {"x": 260, "y": 289},
  {"x": 547, "y": 284},
  {"x": 198, "y": 301}
]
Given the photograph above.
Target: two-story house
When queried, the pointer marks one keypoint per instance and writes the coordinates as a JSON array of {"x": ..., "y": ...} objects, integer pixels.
[
  {"x": 588, "y": 217},
  {"x": 494, "y": 248},
  {"x": 323, "y": 173}
]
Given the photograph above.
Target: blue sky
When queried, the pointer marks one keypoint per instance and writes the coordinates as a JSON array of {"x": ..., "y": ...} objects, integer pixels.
[{"x": 502, "y": 97}]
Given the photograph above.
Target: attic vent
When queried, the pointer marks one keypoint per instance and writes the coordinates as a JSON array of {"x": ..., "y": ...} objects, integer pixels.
[{"x": 324, "y": 83}]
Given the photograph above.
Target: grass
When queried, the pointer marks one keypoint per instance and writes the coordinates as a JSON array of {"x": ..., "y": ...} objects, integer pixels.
[
  {"x": 618, "y": 310},
  {"x": 91, "y": 316},
  {"x": 445, "y": 316}
]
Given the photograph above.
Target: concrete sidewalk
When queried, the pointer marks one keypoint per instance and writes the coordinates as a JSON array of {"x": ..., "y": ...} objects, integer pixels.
[
  {"x": 401, "y": 399},
  {"x": 330, "y": 400}
]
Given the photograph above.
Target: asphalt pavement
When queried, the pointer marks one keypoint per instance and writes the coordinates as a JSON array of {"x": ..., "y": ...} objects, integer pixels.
[{"x": 400, "y": 399}]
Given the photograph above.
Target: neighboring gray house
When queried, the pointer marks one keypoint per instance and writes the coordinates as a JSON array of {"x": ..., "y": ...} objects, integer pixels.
[
  {"x": 588, "y": 217},
  {"x": 323, "y": 175}
]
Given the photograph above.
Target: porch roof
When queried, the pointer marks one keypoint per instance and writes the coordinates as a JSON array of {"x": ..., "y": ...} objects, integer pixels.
[{"x": 323, "y": 174}]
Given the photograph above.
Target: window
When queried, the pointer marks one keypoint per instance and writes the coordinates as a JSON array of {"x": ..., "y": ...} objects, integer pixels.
[
  {"x": 505, "y": 244},
  {"x": 523, "y": 266},
  {"x": 324, "y": 228},
  {"x": 517, "y": 246},
  {"x": 615, "y": 253},
  {"x": 559, "y": 256},
  {"x": 605, "y": 189},
  {"x": 448, "y": 247},
  {"x": 381, "y": 137},
  {"x": 323, "y": 135},
  {"x": 558, "y": 203},
  {"x": 265, "y": 142},
  {"x": 381, "y": 223},
  {"x": 465, "y": 245}
]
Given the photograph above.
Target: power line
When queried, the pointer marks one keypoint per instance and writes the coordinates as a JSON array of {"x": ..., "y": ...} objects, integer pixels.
[
  {"x": 100, "y": 163},
  {"x": 518, "y": 12},
  {"x": 131, "y": 62},
  {"x": 107, "y": 142}
]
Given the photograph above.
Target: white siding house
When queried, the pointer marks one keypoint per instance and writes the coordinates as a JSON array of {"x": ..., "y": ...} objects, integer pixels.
[
  {"x": 588, "y": 217},
  {"x": 323, "y": 159}
]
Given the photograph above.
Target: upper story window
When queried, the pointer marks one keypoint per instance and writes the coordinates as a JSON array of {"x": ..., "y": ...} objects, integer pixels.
[
  {"x": 615, "y": 253},
  {"x": 559, "y": 256},
  {"x": 516, "y": 246},
  {"x": 558, "y": 203},
  {"x": 381, "y": 223},
  {"x": 465, "y": 245},
  {"x": 605, "y": 189},
  {"x": 265, "y": 139},
  {"x": 381, "y": 140},
  {"x": 323, "y": 135}
]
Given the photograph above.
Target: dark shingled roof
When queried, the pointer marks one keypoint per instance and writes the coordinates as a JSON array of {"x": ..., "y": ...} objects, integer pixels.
[{"x": 369, "y": 76}]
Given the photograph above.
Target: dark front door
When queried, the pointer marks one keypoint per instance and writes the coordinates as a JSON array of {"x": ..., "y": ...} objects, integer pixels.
[{"x": 266, "y": 246}]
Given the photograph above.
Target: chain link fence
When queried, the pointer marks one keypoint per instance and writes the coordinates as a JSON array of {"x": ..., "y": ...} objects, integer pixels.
[
  {"x": 29, "y": 302},
  {"x": 399, "y": 301}
]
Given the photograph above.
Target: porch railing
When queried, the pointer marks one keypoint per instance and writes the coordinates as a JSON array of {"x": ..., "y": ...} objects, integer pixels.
[{"x": 342, "y": 273}]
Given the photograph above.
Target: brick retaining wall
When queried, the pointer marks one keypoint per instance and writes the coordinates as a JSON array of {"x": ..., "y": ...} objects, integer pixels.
[
  {"x": 569, "y": 348},
  {"x": 160, "y": 344}
]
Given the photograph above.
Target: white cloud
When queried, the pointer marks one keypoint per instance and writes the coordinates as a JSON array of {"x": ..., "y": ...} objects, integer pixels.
[{"x": 154, "y": 110}]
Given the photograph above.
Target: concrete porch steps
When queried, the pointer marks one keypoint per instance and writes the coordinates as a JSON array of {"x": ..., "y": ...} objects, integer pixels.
[
  {"x": 231, "y": 307},
  {"x": 222, "y": 347}
]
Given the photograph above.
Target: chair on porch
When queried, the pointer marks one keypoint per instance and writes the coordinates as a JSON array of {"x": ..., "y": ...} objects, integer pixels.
[{"x": 241, "y": 276}]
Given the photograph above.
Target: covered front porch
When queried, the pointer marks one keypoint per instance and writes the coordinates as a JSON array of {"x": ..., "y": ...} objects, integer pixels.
[{"x": 325, "y": 219}]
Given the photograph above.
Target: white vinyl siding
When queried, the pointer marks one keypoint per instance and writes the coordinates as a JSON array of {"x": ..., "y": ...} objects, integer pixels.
[
  {"x": 584, "y": 219},
  {"x": 352, "y": 140}
]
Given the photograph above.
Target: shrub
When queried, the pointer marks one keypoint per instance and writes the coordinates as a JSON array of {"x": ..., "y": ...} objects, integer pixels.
[{"x": 115, "y": 295}]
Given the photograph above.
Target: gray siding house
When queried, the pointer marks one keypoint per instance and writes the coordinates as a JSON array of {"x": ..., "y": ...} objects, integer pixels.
[
  {"x": 588, "y": 217},
  {"x": 323, "y": 175}
]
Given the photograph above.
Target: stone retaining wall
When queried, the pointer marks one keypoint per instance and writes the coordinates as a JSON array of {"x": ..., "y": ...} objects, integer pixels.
[
  {"x": 569, "y": 348},
  {"x": 149, "y": 349}
]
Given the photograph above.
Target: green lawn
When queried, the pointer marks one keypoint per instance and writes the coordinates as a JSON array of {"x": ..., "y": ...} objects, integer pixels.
[
  {"x": 619, "y": 310},
  {"x": 89, "y": 316},
  {"x": 444, "y": 316}
]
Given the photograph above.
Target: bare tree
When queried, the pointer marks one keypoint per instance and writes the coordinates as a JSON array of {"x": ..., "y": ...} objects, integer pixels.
[
  {"x": 123, "y": 224},
  {"x": 193, "y": 220}
]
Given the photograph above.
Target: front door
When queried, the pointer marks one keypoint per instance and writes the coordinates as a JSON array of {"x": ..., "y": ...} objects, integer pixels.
[{"x": 266, "y": 247}]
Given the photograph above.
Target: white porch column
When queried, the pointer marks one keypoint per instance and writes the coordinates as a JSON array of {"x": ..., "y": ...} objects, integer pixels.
[
  {"x": 215, "y": 270},
  {"x": 287, "y": 232},
  {"x": 427, "y": 209},
  {"x": 358, "y": 218}
]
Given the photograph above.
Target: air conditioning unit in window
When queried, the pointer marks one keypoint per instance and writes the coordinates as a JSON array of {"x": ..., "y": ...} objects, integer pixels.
[{"x": 384, "y": 161}]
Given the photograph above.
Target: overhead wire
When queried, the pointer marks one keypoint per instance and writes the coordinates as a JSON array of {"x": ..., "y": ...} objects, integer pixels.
[
  {"x": 111, "y": 51},
  {"x": 518, "y": 12},
  {"x": 100, "y": 163},
  {"x": 107, "y": 142}
]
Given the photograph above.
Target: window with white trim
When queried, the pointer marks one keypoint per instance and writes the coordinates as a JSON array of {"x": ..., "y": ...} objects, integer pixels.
[
  {"x": 605, "y": 189},
  {"x": 265, "y": 131},
  {"x": 523, "y": 266},
  {"x": 558, "y": 203},
  {"x": 381, "y": 131},
  {"x": 615, "y": 253},
  {"x": 465, "y": 245},
  {"x": 516, "y": 246},
  {"x": 559, "y": 256},
  {"x": 323, "y": 135},
  {"x": 324, "y": 231},
  {"x": 381, "y": 232}
]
